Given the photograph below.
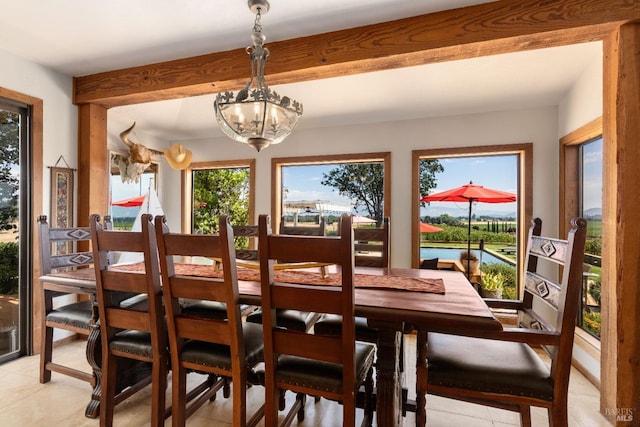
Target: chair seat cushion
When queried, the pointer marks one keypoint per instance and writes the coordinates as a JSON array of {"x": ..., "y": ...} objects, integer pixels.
[
  {"x": 331, "y": 324},
  {"x": 210, "y": 309},
  {"x": 219, "y": 356},
  {"x": 323, "y": 376},
  {"x": 487, "y": 366},
  {"x": 77, "y": 315},
  {"x": 290, "y": 319},
  {"x": 133, "y": 342}
]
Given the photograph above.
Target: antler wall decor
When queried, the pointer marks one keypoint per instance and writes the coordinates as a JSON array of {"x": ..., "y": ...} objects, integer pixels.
[{"x": 137, "y": 162}]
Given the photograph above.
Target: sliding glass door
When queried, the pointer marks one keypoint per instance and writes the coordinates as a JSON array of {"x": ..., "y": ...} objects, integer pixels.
[{"x": 14, "y": 184}]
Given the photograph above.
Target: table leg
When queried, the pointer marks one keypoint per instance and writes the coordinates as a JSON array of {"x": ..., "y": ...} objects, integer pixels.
[
  {"x": 388, "y": 376},
  {"x": 421, "y": 378},
  {"x": 94, "y": 357}
]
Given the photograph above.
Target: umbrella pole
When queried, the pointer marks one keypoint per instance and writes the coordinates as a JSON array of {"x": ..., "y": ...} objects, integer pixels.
[{"x": 469, "y": 241}]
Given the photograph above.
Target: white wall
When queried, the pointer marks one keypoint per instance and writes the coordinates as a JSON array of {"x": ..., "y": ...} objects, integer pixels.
[
  {"x": 583, "y": 104},
  {"x": 60, "y": 117},
  {"x": 538, "y": 126}
]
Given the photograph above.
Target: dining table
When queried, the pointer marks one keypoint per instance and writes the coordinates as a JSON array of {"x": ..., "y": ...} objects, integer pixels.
[{"x": 455, "y": 307}]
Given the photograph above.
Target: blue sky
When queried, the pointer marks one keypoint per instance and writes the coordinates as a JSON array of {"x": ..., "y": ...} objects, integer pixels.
[{"x": 496, "y": 172}]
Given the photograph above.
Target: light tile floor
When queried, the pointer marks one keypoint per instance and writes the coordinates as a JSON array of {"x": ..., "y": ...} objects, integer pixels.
[{"x": 26, "y": 402}]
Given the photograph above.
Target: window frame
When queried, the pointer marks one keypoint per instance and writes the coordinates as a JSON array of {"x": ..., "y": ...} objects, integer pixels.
[
  {"x": 525, "y": 191},
  {"x": 187, "y": 186},
  {"x": 278, "y": 162}
]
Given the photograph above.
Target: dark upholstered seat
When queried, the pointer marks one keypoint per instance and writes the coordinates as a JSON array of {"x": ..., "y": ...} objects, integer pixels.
[
  {"x": 333, "y": 367},
  {"x": 502, "y": 369},
  {"x": 75, "y": 315},
  {"x": 290, "y": 319}
]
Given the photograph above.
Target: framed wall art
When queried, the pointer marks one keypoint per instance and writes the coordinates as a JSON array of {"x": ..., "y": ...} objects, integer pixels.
[{"x": 62, "y": 189}]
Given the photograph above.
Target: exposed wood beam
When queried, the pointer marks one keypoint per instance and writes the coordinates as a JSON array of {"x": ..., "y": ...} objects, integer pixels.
[{"x": 487, "y": 29}]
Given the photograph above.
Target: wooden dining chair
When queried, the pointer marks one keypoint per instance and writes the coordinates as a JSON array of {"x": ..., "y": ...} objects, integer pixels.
[
  {"x": 503, "y": 369},
  {"x": 298, "y": 320},
  {"x": 333, "y": 367},
  {"x": 133, "y": 329},
  {"x": 371, "y": 246},
  {"x": 59, "y": 252},
  {"x": 219, "y": 345},
  {"x": 303, "y": 230}
]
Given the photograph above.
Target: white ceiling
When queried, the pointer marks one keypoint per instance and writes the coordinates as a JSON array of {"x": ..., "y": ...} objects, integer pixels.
[{"x": 79, "y": 37}]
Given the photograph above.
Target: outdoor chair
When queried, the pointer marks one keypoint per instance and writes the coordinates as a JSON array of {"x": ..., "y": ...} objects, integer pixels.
[
  {"x": 429, "y": 264},
  {"x": 220, "y": 345},
  {"x": 503, "y": 369},
  {"x": 333, "y": 367},
  {"x": 58, "y": 252}
]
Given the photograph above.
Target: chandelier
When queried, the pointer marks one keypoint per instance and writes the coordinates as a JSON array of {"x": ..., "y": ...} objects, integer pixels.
[{"x": 257, "y": 115}]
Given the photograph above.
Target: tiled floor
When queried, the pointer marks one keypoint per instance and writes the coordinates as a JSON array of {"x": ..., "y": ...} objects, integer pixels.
[{"x": 26, "y": 402}]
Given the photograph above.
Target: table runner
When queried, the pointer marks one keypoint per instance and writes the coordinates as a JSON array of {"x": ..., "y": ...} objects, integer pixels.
[{"x": 416, "y": 284}]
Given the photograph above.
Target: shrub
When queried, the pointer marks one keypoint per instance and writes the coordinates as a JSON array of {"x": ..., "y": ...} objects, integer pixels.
[
  {"x": 9, "y": 268},
  {"x": 508, "y": 275}
]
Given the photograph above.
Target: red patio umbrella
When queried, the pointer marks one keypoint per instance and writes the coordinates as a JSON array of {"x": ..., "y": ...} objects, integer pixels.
[
  {"x": 428, "y": 228},
  {"x": 129, "y": 203},
  {"x": 470, "y": 193}
]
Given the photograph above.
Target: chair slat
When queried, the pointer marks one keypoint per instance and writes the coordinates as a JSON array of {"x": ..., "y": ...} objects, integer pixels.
[
  {"x": 197, "y": 288},
  {"x": 120, "y": 281},
  {"x": 208, "y": 330},
  {"x": 325, "y": 347},
  {"x": 549, "y": 248},
  {"x": 543, "y": 288},
  {"x": 127, "y": 319},
  {"x": 289, "y": 296},
  {"x": 204, "y": 245},
  {"x": 307, "y": 248}
]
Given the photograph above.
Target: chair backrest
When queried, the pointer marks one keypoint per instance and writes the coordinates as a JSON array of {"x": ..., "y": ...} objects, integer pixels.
[
  {"x": 249, "y": 232},
  {"x": 214, "y": 329},
  {"x": 320, "y": 299},
  {"x": 58, "y": 246},
  {"x": 429, "y": 264},
  {"x": 372, "y": 246},
  {"x": 303, "y": 230},
  {"x": 544, "y": 295},
  {"x": 144, "y": 310}
]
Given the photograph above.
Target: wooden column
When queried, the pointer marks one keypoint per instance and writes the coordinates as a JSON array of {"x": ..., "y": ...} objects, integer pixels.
[
  {"x": 620, "y": 359},
  {"x": 93, "y": 162}
]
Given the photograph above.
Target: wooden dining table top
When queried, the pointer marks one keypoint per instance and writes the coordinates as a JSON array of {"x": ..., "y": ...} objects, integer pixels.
[{"x": 459, "y": 307}]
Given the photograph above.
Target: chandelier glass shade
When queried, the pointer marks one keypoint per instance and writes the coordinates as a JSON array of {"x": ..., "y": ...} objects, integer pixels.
[{"x": 257, "y": 115}]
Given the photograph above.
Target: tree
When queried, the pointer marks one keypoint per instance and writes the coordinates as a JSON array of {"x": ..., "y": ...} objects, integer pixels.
[
  {"x": 363, "y": 183},
  {"x": 428, "y": 170},
  {"x": 9, "y": 156},
  {"x": 220, "y": 192}
]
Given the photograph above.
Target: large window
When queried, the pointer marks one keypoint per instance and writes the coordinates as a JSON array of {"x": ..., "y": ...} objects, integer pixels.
[
  {"x": 308, "y": 188},
  {"x": 492, "y": 228},
  {"x": 581, "y": 180},
  {"x": 590, "y": 166},
  {"x": 219, "y": 188}
]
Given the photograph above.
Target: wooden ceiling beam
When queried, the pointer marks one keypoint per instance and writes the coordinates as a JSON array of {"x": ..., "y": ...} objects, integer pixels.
[{"x": 487, "y": 29}]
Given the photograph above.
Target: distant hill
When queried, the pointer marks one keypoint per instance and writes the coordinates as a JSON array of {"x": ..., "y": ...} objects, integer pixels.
[
  {"x": 433, "y": 211},
  {"x": 593, "y": 213}
]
